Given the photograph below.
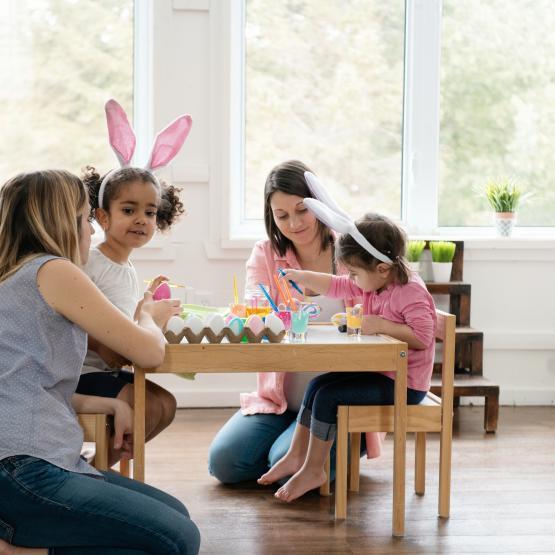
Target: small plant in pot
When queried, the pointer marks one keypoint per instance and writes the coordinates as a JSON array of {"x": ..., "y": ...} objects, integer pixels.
[
  {"x": 414, "y": 252},
  {"x": 442, "y": 259},
  {"x": 504, "y": 197}
]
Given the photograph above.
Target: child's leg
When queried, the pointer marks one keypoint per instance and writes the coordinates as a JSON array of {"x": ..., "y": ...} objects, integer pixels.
[
  {"x": 167, "y": 403},
  {"x": 295, "y": 456},
  {"x": 311, "y": 475},
  {"x": 361, "y": 388}
]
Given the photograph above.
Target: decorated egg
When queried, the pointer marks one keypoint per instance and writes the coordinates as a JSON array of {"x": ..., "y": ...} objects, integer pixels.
[
  {"x": 274, "y": 323},
  {"x": 229, "y": 317},
  {"x": 215, "y": 322},
  {"x": 194, "y": 323},
  {"x": 175, "y": 324},
  {"x": 235, "y": 325},
  {"x": 162, "y": 292},
  {"x": 255, "y": 323}
]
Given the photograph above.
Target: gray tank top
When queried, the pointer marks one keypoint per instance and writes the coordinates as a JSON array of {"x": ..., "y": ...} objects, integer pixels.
[{"x": 41, "y": 354}]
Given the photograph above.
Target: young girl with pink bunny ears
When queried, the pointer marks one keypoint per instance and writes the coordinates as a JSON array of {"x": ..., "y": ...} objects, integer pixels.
[{"x": 130, "y": 203}]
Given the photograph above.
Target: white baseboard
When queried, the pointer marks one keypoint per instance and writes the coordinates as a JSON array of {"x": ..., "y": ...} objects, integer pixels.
[{"x": 211, "y": 398}]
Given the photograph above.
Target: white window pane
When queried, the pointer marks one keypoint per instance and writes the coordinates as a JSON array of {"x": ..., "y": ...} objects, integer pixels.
[
  {"x": 324, "y": 84},
  {"x": 497, "y": 107},
  {"x": 60, "y": 61}
]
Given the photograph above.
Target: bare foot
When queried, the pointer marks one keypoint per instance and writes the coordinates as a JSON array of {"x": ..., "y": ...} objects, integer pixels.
[
  {"x": 8, "y": 549},
  {"x": 304, "y": 480},
  {"x": 286, "y": 466}
]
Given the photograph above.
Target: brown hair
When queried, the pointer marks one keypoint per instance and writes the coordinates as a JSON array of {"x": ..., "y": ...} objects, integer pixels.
[
  {"x": 383, "y": 234},
  {"x": 170, "y": 207},
  {"x": 288, "y": 178},
  {"x": 39, "y": 214}
]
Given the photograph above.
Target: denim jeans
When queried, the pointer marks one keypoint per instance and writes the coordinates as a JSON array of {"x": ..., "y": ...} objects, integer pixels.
[
  {"x": 247, "y": 446},
  {"x": 42, "y": 505},
  {"x": 326, "y": 392}
]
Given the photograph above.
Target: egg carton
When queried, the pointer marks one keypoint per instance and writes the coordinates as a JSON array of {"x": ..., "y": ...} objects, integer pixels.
[{"x": 207, "y": 332}]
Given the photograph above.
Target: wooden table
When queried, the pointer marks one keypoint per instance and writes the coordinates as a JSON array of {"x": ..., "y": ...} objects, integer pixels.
[{"x": 326, "y": 350}]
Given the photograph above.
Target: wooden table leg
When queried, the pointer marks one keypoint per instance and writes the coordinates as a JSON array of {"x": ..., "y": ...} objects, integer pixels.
[
  {"x": 139, "y": 426},
  {"x": 399, "y": 446}
]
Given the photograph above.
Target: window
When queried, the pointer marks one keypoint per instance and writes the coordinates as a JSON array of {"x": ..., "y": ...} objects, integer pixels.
[
  {"x": 61, "y": 60},
  {"x": 497, "y": 107},
  {"x": 324, "y": 84}
]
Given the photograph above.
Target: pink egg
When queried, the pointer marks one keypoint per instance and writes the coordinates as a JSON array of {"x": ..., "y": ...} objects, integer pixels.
[
  {"x": 163, "y": 292},
  {"x": 255, "y": 323}
]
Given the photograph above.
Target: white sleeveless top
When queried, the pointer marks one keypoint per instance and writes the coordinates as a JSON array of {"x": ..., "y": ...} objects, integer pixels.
[{"x": 295, "y": 383}]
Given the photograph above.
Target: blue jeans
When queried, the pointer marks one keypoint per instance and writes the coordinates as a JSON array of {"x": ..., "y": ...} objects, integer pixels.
[
  {"x": 247, "y": 446},
  {"x": 326, "y": 392},
  {"x": 42, "y": 505}
]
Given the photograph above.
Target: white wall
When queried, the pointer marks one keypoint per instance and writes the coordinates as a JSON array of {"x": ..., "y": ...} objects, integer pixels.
[{"x": 512, "y": 280}]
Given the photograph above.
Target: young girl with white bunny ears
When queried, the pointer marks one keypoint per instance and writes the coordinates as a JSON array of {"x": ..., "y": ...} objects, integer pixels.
[
  {"x": 130, "y": 204},
  {"x": 395, "y": 302}
]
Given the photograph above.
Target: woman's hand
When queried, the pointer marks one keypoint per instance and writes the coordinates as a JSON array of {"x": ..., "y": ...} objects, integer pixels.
[
  {"x": 123, "y": 428},
  {"x": 159, "y": 311}
]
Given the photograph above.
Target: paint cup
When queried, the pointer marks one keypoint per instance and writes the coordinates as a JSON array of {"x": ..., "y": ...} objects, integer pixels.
[
  {"x": 354, "y": 321},
  {"x": 299, "y": 326}
]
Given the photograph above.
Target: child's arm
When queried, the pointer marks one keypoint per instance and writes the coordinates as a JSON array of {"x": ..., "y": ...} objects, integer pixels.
[
  {"x": 120, "y": 410},
  {"x": 73, "y": 295},
  {"x": 372, "y": 324},
  {"x": 315, "y": 281}
]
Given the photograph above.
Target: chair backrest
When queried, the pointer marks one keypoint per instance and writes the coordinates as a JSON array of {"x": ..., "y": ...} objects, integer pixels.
[{"x": 445, "y": 332}]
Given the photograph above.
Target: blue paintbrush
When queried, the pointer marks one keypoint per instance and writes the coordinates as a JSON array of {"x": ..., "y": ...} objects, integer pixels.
[{"x": 293, "y": 284}]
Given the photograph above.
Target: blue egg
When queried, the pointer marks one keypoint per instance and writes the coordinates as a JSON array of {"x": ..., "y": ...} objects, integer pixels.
[{"x": 236, "y": 325}]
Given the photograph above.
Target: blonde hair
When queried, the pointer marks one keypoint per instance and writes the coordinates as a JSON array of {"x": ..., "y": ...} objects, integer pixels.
[{"x": 39, "y": 215}]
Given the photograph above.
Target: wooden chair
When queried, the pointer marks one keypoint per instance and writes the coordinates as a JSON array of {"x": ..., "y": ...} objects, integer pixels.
[
  {"x": 97, "y": 428},
  {"x": 433, "y": 414}
]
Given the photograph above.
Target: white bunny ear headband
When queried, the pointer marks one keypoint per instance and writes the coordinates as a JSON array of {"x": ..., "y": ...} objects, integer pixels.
[
  {"x": 328, "y": 212},
  {"x": 167, "y": 143}
]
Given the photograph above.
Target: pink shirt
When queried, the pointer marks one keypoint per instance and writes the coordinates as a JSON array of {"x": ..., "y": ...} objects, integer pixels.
[
  {"x": 409, "y": 304},
  {"x": 262, "y": 265},
  {"x": 269, "y": 397}
]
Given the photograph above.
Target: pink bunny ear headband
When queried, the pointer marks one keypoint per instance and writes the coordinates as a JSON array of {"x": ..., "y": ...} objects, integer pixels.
[
  {"x": 329, "y": 213},
  {"x": 167, "y": 143}
]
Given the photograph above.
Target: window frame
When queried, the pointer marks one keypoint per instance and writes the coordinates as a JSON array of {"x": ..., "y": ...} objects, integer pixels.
[{"x": 421, "y": 122}]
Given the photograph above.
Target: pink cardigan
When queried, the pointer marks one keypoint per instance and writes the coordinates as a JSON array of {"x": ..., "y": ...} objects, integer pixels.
[
  {"x": 409, "y": 304},
  {"x": 269, "y": 397}
]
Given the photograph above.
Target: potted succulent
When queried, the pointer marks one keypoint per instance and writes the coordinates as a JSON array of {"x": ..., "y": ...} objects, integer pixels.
[
  {"x": 414, "y": 252},
  {"x": 503, "y": 196},
  {"x": 442, "y": 259}
]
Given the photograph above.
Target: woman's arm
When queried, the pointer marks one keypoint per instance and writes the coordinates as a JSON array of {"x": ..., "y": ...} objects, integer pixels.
[
  {"x": 73, "y": 295},
  {"x": 120, "y": 410}
]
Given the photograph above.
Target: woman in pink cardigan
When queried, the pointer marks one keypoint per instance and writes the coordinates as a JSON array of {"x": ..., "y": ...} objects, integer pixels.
[{"x": 259, "y": 435}]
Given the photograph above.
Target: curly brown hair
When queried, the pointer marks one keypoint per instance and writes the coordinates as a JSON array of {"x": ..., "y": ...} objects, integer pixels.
[{"x": 169, "y": 210}]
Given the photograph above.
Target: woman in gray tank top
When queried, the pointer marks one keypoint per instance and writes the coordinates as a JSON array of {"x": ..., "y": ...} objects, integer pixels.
[{"x": 51, "y": 500}]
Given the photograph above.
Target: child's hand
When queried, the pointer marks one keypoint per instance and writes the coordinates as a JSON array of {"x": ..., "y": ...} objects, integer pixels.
[
  {"x": 296, "y": 275},
  {"x": 123, "y": 428},
  {"x": 160, "y": 311},
  {"x": 372, "y": 324}
]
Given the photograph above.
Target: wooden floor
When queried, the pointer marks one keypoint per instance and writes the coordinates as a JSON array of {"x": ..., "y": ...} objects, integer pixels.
[{"x": 503, "y": 497}]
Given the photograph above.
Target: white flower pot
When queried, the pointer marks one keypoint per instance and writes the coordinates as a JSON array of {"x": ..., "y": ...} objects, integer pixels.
[
  {"x": 414, "y": 266},
  {"x": 504, "y": 223},
  {"x": 442, "y": 271}
]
